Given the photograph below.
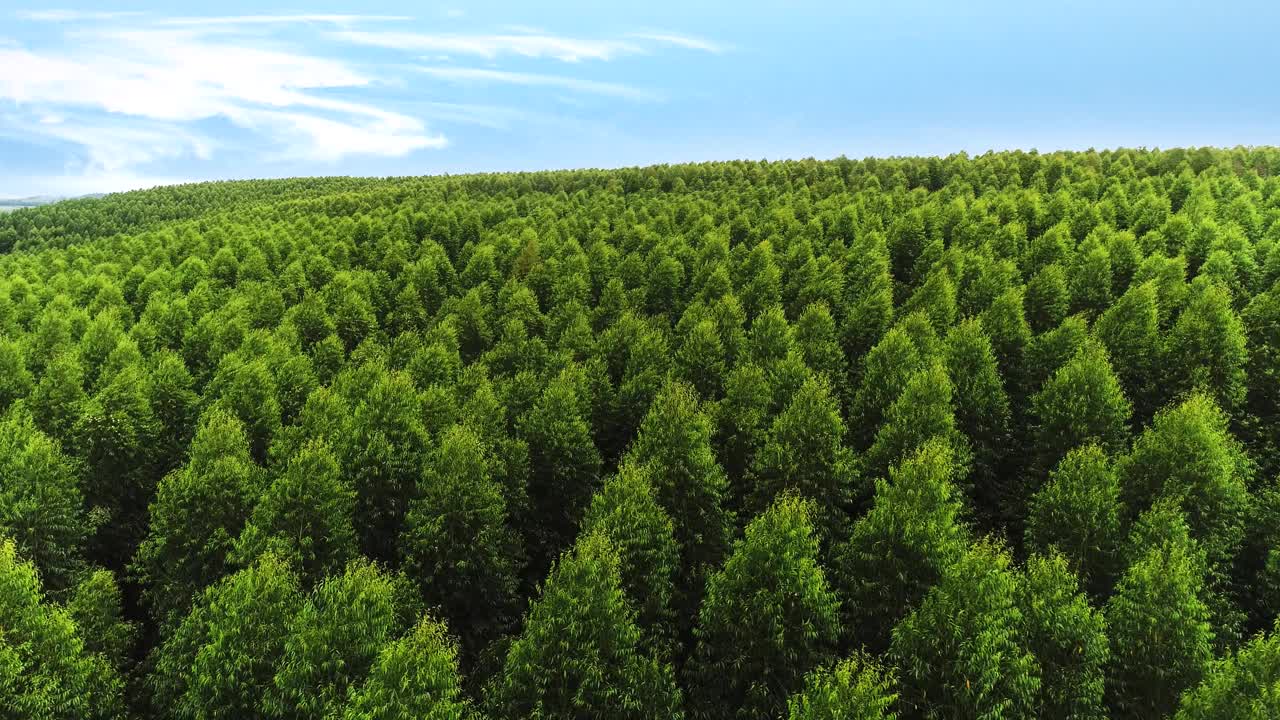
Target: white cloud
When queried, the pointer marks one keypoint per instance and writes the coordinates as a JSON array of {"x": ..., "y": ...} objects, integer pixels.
[
  {"x": 72, "y": 15},
  {"x": 491, "y": 46},
  {"x": 688, "y": 42},
  {"x": 133, "y": 89},
  {"x": 279, "y": 20},
  {"x": 481, "y": 75},
  {"x": 163, "y": 79}
]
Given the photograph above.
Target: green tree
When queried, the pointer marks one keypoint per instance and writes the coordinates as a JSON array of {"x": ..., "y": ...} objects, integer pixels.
[
  {"x": 1047, "y": 299},
  {"x": 805, "y": 452},
  {"x": 1006, "y": 324},
  {"x": 97, "y": 607},
  {"x": 1078, "y": 514},
  {"x": 564, "y": 467},
  {"x": 305, "y": 516},
  {"x": 1207, "y": 349},
  {"x": 1188, "y": 457},
  {"x": 413, "y": 678},
  {"x": 856, "y": 688},
  {"x": 886, "y": 370},
  {"x": 742, "y": 421},
  {"x": 626, "y": 510},
  {"x": 674, "y": 447},
  {"x": 769, "y": 617},
  {"x": 580, "y": 652},
  {"x": 900, "y": 549},
  {"x": 117, "y": 435},
  {"x": 1161, "y": 640},
  {"x": 923, "y": 411},
  {"x": 333, "y": 640},
  {"x": 198, "y": 513},
  {"x": 1067, "y": 637},
  {"x": 46, "y": 670},
  {"x": 1243, "y": 686},
  {"x": 868, "y": 306},
  {"x": 1082, "y": 403},
  {"x": 962, "y": 653},
  {"x": 41, "y": 508},
  {"x": 1130, "y": 330},
  {"x": 1089, "y": 278},
  {"x": 701, "y": 358},
  {"x": 816, "y": 338},
  {"x": 457, "y": 544},
  {"x": 15, "y": 380},
  {"x": 936, "y": 298},
  {"x": 383, "y": 449},
  {"x": 982, "y": 413},
  {"x": 1261, "y": 413},
  {"x": 220, "y": 661}
]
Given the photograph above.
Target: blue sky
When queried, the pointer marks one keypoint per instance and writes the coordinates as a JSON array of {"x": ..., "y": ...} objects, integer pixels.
[{"x": 110, "y": 96}]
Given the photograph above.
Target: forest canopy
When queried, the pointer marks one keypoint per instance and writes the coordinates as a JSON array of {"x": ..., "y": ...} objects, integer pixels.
[{"x": 963, "y": 437}]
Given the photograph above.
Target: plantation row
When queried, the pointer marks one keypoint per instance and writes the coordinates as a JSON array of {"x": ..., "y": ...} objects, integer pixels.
[{"x": 992, "y": 437}]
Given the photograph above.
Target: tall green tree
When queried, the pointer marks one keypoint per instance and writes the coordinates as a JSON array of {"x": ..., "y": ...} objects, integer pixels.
[
  {"x": 1161, "y": 640},
  {"x": 1188, "y": 457},
  {"x": 41, "y": 507},
  {"x": 220, "y": 661},
  {"x": 412, "y": 678},
  {"x": 457, "y": 543},
  {"x": 923, "y": 411},
  {"x": 1047, "y": 299},
  {"x": 383, "y": 448},
  {"x": 1079, "y": 515},
  {"x": 1067, "y": 637},
  {"x": 198, "y": 513},
  {"x": 1207, "y": 348},
  {"x": 46, "y": 670},
  {"x": 856, "y": 688},
  {"x": 564, "y": 467},
  {"x": 1243, "y": 685},
  {"x": 305, "y": 515},
  {"x": 900, "y": 549},
  {"x": 580, "y": 654},
  {"x": 1130, "y": 330},
  {"x": 627, "y": 511},
  {"x": 768, "y": 618},
  {"x": 333, "y": 640},
  {"x": 805, "y": 452},
  {"x": 1082, "y": 403},
  {"x": 674, "y": 448},
  {"x": 962, "y": 652},
  {"x": 982, "y": 414}
]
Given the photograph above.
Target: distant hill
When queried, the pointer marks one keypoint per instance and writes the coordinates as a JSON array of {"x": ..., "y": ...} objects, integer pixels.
[{"x": 8, "y": 204}]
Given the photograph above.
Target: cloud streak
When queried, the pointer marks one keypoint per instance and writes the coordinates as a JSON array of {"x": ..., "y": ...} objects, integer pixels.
[
  {"x": 492, "y": 46},
  {"x": 233, "y": 20},
  {"x": 181, "y": 76},
  {"x": 688, "y": 42},
  {"x": 63, "y": 16},
  {"x": 136, "y": 91},
  {"x": 482, "y": 75}
]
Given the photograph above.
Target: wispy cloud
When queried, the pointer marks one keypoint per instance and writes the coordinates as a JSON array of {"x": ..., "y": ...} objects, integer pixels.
[
  {"x": 278, "y": 20},
  {"x": 595, "y": 87},
  {"x": 689, "y": 42},
  {"x": 72, "y": 15},
  {"x": 134, "y": 92},
  {"x": 491, "y": 46},
  {"x": 181, "y": 76}
]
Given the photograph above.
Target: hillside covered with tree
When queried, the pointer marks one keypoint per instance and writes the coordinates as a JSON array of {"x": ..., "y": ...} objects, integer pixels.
[{"x": 919, "y": 438}]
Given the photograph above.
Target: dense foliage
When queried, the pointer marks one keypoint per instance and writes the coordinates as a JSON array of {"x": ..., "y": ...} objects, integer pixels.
[{"x": 991, "y": 437}]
